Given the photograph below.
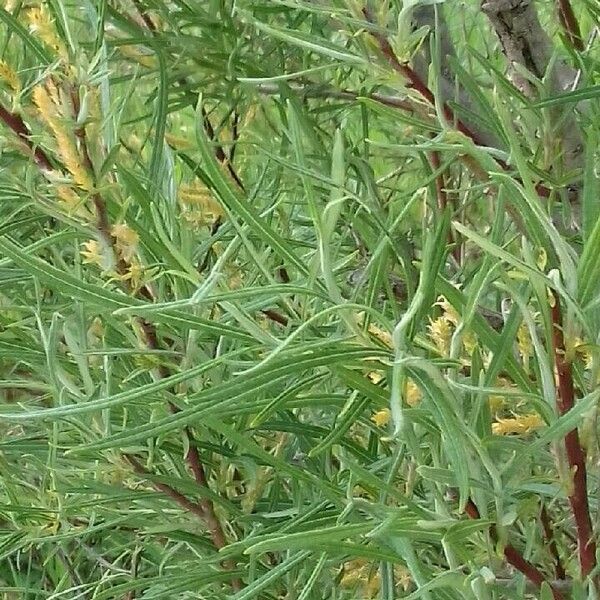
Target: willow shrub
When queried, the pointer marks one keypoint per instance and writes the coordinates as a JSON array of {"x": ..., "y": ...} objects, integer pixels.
[{"x": 299, "y": 299}]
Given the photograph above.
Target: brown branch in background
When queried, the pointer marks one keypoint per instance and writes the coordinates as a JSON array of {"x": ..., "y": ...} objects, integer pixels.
[
  {"x": 559, "y": 570},
  {"x": 528, "y": 48},
  {"x": 515, "y": 558},
  {"x": 569, "y": 22},
  {"x": 205, "y": 509},
  {"x": 416, "y": 83},
  {"x": 440, "y": 184},
  {"x": 219, "y": 152},
  {"x": 198, "y": 509},
  {"x": 16, "y": 123},
  {"x": 184, "y": 502},
  {"x": 235, "y": 134},
  {"x": 144, "y": 16},
  {"x": 192, "y": 457},
  {"x": 578, "y": 495}
]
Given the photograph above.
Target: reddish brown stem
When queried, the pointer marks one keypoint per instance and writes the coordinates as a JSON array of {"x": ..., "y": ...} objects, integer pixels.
[
  {"x": 559, "y": 570},
  {"x": 203, "y": 509},
  {"x": 578, "y": 497},
  {"x": 417, "y": 84},
  {"x": 440, "y": 184},
  {"x": 275, "y": 316},
  {"x": 515, "y": 558},
  {"x": 184, "y": 502},
  {"x": 442, "y": 196},
  {"x": 569, "y": 22},
  {"x": 16, "y": 123}
]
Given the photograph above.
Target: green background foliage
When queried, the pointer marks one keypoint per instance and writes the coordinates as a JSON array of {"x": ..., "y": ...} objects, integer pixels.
[{"x": 240, "y": 245}]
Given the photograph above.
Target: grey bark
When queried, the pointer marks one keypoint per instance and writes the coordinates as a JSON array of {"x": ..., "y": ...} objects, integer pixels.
[{"x": 528, "y": 50}]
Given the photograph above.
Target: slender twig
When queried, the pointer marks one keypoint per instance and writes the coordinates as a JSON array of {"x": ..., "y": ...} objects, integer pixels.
[
  {"x": 416, "y": 83},
  {"x": 440, "y": 184},
  {"x": 203, "y": 509},
  {"x": 235, "y": 134},
  {"x": 310, "y": 91},
  {"x": 206, "y": 507},
  {"x": 144, "y": 16},
  {"x": 515, "y": 558},
  {"x": 179, "y": 498},
  {"x": 559, "y": 570},
  {"x": 219, "y": 152},
  {"x": 569, "y": 22},
  {"x": 578, "y": 495},
  {"x": 442, "y": 196},
  {"x": 16, "y": 123}
]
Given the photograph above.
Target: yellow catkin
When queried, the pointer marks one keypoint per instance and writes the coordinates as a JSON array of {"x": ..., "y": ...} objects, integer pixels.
[
  {"x": 92, "y": 253},
  {"x": 71, "y": 159},
  {"x": 46, "y": 103},
  {"x": 582, "y": 351},
  {"x": 126, "y": 240},
  {"x": 383, "y": 336},
  {"x": 41, "y": 24},
  {"x": 360, "y": 573},
  {"x": 135, "y": 54},
  {"x": 382, "y": 417},
  {"x": 412, "y": 394},
  {"x": 375, "y": 377},
  {"x": 449, "y": 312},
  {"x": 440, "y": 333},
  {"x": 518, "y": 425},
  {"x": 10, "y": 77},
  {"x": 198, "y": 204},
  {"x": 43, "y": 102},
  {"x": 136, "y": 274}
]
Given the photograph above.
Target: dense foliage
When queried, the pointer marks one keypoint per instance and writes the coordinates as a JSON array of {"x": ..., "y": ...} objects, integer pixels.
[{"x": 299, "y": 299}]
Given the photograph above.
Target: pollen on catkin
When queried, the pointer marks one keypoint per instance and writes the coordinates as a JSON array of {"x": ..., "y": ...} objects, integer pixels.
[
  {"x": 10, "y": 77},
  {"x": 135, "y": 274},
  {"x": 71, "y": 203},
  {"x": 72, "y": 161},
  {"x": 47, "y": 106},
  {"x": 440, "y": 333},
  {"x": 412, "y": 393},
  {"x": 518, "y": 425},
  {"x": 92, "y": 253},
  {"x": 126, "y": 240},
  {"x": 383, "y": 336},
  {"x": 42, "y": 25},
  {"x": 198, "y": 205},
  {"x": 382, "y": 417}
]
